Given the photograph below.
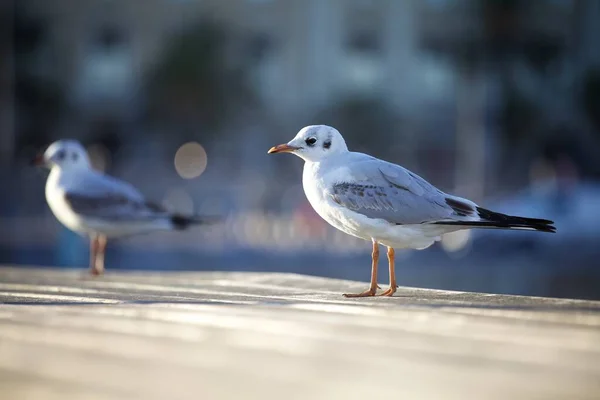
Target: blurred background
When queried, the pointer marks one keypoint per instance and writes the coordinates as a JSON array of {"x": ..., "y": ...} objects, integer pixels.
[{"x": 498, "y": 101}]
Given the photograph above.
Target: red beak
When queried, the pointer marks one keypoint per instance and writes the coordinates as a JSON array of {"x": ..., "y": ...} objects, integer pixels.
[
  {"x": 38, "y": 160},
  {"x": 282, "y": 148}
]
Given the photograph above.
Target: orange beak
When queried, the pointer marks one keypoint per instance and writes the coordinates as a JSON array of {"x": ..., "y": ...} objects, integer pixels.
[{"x": 282, "y": 148}]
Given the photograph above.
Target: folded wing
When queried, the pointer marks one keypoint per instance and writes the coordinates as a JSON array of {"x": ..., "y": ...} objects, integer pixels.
[
  {"x": 101, "y": 196},
  {"x": 378, "y": 189}
]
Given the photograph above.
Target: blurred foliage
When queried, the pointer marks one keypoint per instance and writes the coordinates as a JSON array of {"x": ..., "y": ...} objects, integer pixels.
[
  {"x": 517, "y": 116},
  {"x": 501, "y": 23},
  {"x": 507, "y": 43},
  {"x": 357, "y": 116},
  {"x": 540, "y": 52},
  {"x": 40, "y": 103},
  {"x": 107, "y": 131},
  {"x": 194, "y": 84},
  {"x": 591, "y": 97}
]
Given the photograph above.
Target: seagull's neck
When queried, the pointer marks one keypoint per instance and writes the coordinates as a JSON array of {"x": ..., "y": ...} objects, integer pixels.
[
  {"x": 312, "y": 168},
  {"x": 314, "y": 171},
  {"x": 57, "y": 171},
  {"x": 65, "y": 177},
  {"x": 333, "y": 157},
  {"x": 53, "y": 181}
]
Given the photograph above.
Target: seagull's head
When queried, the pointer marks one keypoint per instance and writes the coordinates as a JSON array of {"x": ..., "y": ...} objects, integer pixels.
[
  {"x": 63, "y": 154},
  {"x": 314, "y": 143}
]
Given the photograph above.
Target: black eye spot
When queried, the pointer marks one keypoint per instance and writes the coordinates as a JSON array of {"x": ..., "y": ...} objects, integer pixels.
[
  {"x": 75, "y": 156},
  {"x": 61, "y": 155},
  {"x": 311, "y": 141},
  {"x": 327, "y": 144}
]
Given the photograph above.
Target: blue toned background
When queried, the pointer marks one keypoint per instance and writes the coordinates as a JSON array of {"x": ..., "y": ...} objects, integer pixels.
[{"x": 498, "y": 101}]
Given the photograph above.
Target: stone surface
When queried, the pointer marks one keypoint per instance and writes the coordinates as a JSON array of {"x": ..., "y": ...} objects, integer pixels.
[{"x": 64, "y": 335}]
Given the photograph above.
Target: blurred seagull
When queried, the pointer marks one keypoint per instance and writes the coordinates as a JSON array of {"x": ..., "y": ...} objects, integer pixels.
[
  {"x": 383, "y": 202},
  {"x": 100, "y": 206}
]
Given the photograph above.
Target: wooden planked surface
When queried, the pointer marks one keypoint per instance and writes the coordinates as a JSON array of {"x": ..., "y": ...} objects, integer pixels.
[{"x": 64, "y": 335}]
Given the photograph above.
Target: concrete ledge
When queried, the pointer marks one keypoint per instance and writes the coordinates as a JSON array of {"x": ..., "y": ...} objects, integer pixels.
[{"x": 265, "y": 336}]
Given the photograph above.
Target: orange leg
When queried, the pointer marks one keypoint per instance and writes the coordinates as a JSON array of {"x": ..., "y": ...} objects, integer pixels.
[
  {"x": 373, "y": 287},
  {"x": 93, "y": 253},
  {"x": 393, "y": 285},
  {"x": 97, "y": 264}
]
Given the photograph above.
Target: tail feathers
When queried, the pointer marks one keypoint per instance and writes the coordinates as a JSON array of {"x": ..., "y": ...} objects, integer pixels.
[
  {"x": 490, "y": 219},
  {"x": 181, "y": 222}
]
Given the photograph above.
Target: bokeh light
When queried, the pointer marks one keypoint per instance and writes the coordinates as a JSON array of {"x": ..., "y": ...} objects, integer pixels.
[
  {"x": 152, "y": 93},
  {"x": 190, "y": 160}
]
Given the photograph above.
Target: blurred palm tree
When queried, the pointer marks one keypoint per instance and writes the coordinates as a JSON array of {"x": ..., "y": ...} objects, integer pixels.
[{"x": 196, "y": 86}]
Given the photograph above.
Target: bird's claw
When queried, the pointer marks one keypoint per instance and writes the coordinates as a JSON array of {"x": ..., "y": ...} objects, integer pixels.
[
  {"x": 389, "y": 292},
  {"x": 367, "y": 293}
]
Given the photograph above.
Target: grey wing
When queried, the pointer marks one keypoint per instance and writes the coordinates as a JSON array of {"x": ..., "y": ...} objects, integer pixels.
[
  {"x": 113, "y": 207},
  {"x": 102, "y": 196},
  {"x": 387, "y": 191}
]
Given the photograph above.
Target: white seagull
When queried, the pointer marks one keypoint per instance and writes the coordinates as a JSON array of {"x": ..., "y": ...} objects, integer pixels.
[
  {"x": 383, "y": 202},
  {"x": 100, "y": 206}
]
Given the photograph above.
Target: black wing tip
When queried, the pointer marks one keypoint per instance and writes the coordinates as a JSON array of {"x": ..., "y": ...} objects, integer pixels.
[
  {"x": 511, "y": 221},
  {"x": 181, "y": 222},
  {"x": 549, "y": 229},
  {"x": 546, "y": 227},
  {"x": 499, "y": 225}
]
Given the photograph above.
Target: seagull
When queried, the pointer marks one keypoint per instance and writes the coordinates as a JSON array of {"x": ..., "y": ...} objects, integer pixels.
[
  {"x": 384, "y": 203},
  {"x": 99, "y": 206}
]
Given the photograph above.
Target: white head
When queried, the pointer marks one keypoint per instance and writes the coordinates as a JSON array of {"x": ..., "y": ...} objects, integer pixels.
[
  {"x": 64, "y": 154},
  {"x": 314, "y": 143}
]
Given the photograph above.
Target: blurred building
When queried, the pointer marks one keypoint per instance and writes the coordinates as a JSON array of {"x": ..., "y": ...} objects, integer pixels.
[
  {"x": 304, "y": 53},
  {"x": 431, "y": 61},
  {"x": 464, "y": 92},
  {"x": 6, "y": 85}
]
